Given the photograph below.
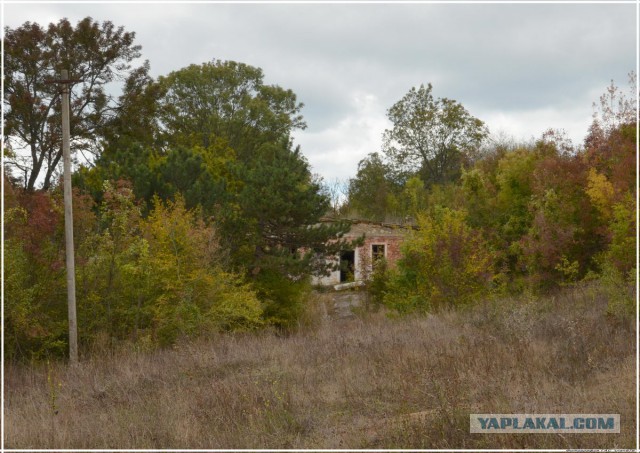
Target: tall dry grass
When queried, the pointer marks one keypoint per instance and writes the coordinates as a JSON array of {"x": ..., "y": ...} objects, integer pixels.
[{"x": 368, "y": 382}]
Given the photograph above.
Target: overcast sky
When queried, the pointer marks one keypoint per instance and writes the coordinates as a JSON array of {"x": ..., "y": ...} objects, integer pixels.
[{"x": 521, "y": 68}]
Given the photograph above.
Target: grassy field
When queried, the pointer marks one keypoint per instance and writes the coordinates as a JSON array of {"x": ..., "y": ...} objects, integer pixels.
[{"x": 367, "y": 382}]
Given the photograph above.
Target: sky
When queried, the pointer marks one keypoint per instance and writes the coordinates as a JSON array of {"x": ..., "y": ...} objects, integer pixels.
[{"x": 520, "y": 68}]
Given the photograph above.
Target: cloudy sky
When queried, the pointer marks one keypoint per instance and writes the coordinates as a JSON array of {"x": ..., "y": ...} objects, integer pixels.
[{"x": 521, "y": 68}]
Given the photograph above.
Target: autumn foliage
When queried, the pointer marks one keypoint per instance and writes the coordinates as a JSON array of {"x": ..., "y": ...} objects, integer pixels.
[
  {"x": 198, "y": 213},
  {"x": 444, "y": 263},
  {"x": 147, "y": 279},
  {"x": 522, "y": 218}
]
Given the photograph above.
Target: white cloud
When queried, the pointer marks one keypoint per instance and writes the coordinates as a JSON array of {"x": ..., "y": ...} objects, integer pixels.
[
  {"x": 335, "y": 151},
  {"x": 518, "y": 67},
  {"x": 531, "y": 124}
]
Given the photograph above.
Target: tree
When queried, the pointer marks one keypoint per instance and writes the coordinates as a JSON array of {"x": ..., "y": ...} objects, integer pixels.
[
  {"x": 130, "y": 144},
  {"x": 226, "y": 99},
  {"x": 274, "y": 220},
  {"x": 514, "y": 180},
  {"x": 223, "y": 145},
  {"x": 337, "y": 190},
  {"x": 371, "y": 192},
  {"x": 95, "y": 54},
  {"x": 611, "y": 142},
  {"x": 614, "y": 109},
  {"x": 184, "y": 171},
  {"x": 109, "y": 304},
  {"x": 565, "y": 232},
  {"x": 136, "y": 121},
  {"x": 444, "y": 263},
  {"x": 190, "y": 292},
  {"x": 612, "y": 158},
  {"x": 273, "y": 228},
  {"x": 271, "y": 204},
  {"x": 432, "y": 137},
  {"x": 35, "y": 288}
]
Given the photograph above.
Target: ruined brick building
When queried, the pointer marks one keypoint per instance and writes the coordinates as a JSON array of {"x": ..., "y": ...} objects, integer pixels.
[{"x": 381, "y": 240}]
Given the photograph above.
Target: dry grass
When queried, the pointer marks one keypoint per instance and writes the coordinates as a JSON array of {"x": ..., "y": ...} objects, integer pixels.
[{"x": 369, "y": 382}]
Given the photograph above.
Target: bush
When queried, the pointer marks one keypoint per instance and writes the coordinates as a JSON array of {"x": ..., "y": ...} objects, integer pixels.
[
  {"x": 622, "y": 251},
  {"x": 35, "y": 310},
  {"x": 445, "y": 263},
  {"x": 377, "y": 285},
  {"x": 189, "y": 291},
  {"x": 620, "y": 291},
  {"x": 283, "y": 298}
]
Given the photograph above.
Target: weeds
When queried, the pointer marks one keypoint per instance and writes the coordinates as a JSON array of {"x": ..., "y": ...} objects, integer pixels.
[
  {"x": 53, "y": 386},
  {"x": 370, "y": 382}
]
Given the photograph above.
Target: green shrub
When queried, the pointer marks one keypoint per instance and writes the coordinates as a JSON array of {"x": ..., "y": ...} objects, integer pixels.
[
  {"x": 283, "y": 298},
  {"x": 620, "y": 291},
  {"x": 444, "y": 263},
  {"x": 378, "y": 283},
  {"x": 622, "y": 251},
  {"x": 189, "y": 292},
  {"x": 35, "y": 309}
]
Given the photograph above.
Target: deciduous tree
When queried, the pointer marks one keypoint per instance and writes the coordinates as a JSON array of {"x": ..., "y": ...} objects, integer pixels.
[
  {"x": 226, "y": 99},
  {"x": 445, "y": 263},
  {"x": 432, "y": 137},
  {"x": 95, "y": 53},
  {"x": 372, "y": 191}
]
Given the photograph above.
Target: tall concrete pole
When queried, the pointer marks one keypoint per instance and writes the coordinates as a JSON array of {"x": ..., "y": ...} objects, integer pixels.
[{"x": 68, "y": 221}]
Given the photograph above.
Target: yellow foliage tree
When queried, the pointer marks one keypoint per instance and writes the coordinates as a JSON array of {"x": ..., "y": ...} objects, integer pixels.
[
  {"x": 194, "y": 294},
  {"x": 444, "y": 263},
  {"x": 601, "y": 193}
]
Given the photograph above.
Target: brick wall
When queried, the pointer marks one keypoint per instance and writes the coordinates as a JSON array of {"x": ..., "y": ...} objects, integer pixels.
[{"x": 375, "y": 234}]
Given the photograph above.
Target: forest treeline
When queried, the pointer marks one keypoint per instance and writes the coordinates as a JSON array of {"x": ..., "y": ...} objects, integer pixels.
[
  {"x": 194, "y": 211},
  {"x": 501, "y": 217}
]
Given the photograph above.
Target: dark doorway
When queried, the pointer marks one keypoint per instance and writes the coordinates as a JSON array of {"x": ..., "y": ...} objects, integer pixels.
[{"x": 347, "y": 266}]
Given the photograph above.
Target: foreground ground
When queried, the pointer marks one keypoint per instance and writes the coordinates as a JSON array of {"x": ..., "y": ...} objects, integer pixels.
[{"x": 364, "y": 382}]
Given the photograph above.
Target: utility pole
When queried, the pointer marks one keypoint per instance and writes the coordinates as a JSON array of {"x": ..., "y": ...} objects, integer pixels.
[
  {"x": 68, "y": 217},
  {"x": 68, "y": 220}
]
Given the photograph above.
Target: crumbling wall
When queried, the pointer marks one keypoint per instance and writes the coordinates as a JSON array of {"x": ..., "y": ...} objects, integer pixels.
[{"x": 388, "y": 236}]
